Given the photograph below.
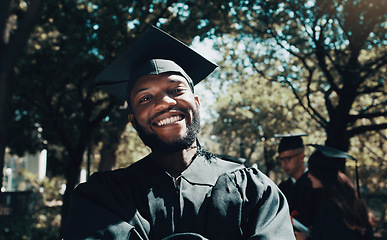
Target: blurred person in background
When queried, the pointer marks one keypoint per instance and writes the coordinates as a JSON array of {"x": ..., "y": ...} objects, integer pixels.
[
  {"x": 340, "y": 214},
  {"x": 298, "y": 187}
]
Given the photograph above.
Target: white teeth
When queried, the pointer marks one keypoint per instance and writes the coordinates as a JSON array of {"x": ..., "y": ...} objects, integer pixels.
[{"x": 169, "y": 120}]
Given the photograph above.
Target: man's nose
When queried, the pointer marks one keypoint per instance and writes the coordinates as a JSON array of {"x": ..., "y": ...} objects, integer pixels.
[
  {"x": 165, "y": 102},
  {"x": 283, "y": 163}
]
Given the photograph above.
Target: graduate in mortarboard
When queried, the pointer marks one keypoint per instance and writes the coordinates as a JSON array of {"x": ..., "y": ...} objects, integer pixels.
[
  {"x": 179, "y": 191},
  {"x": 297, "y": 188},
  {"x": 340, "y": 213}
]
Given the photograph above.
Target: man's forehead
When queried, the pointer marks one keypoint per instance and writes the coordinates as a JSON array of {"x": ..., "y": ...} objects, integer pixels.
[
  {"x": 150, "y": 81},
  {"x": 290, "y": 152}
]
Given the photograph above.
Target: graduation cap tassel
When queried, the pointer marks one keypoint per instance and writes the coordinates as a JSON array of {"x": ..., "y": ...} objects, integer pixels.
[{"x": 357, "y": 178}]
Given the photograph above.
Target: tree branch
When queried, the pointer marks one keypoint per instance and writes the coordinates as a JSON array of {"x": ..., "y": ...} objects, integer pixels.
[
  {"x": 320, "y": 55},
  {"x": 20, "y": 37},
  {"x": 353, "y": 118},
  {"x": 365, "y": 128},
  {"x": 320, "y": 118},
  {"x": 378, "y": 62}
]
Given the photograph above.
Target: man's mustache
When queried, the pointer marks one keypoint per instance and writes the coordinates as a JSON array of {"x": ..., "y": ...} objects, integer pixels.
[{"x": 151, "y": 119}]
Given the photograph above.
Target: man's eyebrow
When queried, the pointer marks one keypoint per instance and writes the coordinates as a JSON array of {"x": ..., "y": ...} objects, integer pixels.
[
  {"x": 170, "y": 81},
  {"x": 174, "y": 80},
  {"x": 178, "y": 81},
  {"x": 141, "y": 90}
]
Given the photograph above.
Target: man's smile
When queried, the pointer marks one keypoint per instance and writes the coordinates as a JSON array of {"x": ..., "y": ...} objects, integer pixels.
[{"x": 168, "y": 120}]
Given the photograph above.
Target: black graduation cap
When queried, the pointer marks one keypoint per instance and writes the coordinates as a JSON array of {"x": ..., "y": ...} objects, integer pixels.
[
  {"x": 332, "y": 156},
  {"x": 290, "y": 141},
  {"x": 332, "y": 152},
  {"x": 154, "y": 52}
]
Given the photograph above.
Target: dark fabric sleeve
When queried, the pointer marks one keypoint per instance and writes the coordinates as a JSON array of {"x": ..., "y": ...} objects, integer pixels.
[
  {"x": 266, "y": 211},
  {"x": 88, "y": 220},
  {"x": 96, "y": 212},
  {"x": 249, "y": 200}
]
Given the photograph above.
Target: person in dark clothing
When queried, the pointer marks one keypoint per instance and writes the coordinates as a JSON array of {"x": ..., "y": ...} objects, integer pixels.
[
  {"x": 298, "y": 187},
  {"x": 179, "y": 191},
  {"x": 340, "y": 214}
]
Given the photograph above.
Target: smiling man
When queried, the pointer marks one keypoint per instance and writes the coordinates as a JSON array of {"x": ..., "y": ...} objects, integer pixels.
[
  {"x": 179, "y": 191},
  {"x": 166, "y": 117},
  {"x": 170, "y": 111}
]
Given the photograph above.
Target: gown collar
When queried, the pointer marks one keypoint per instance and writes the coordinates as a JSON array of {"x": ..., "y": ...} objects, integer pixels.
[{"x": 201, "y": 171}]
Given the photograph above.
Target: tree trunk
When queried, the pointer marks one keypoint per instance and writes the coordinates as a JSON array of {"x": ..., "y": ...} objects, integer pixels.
[
  {"x": 5, "y": 68},
  {"x": 242, "y": 148},
  {"x": 108, "y": 157},
  {"x": 111, "y": 142},
  {"x": 337, "y": 132},
  {"x": 3, "y": 117},
  {"x": 11, "y": 44},
  {"x": 268, "y": 156},
  {"x": 337, "y": 138}
]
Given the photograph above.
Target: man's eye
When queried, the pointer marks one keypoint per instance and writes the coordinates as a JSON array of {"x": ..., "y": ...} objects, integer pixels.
[
  {"x": 177, "y": 90},
  {"x": 144, "y": 99}
]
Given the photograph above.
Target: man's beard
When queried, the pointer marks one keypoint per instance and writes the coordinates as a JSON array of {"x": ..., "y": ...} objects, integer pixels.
[{"x": 158, "y": 145}]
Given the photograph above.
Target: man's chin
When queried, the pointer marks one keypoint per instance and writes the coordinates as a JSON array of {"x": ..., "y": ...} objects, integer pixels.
[{"x": 163, "y": 146}]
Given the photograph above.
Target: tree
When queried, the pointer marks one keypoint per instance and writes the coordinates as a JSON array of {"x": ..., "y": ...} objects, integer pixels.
[
  {"x": 56, "y": 96},
  {"x": 17, "y": 19},
  {"x": 334, "y": 50},
  {"x": 250, "y": 110}
]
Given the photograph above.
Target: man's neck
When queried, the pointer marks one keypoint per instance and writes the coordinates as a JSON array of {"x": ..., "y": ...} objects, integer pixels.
[
  {"x": 299, "y": 173},
  {"x": 175, "y": 163}
]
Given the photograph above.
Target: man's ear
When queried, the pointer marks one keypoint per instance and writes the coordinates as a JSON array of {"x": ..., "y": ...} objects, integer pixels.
[{"x": 131, "y": 119}]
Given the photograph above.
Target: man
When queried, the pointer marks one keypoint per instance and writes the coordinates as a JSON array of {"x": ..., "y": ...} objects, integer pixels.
[
  {"x": 298, "y": 187},
  {"x": 179, "y": 191}
]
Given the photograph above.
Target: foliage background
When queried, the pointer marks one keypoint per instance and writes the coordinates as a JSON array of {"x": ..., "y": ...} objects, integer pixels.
[{"x": 285, "y": 66}]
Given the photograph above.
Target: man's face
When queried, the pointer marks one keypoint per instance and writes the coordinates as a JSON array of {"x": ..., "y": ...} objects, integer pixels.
[
  {"x": 292, "y": 161},
  {"x": 165, "y": 112}
]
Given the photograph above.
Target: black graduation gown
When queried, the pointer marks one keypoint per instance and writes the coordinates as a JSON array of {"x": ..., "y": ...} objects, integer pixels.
[
  {"x": 211, "y": 200},
  {"x": 329, "y": 224},
  {"x": 301, "y": 197}
]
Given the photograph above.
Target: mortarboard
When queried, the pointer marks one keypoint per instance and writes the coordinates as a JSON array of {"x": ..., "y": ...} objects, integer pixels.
[
  {"x": 154, "y": 52},
  {"x": 328, "y": 157},
  {"x": 332, "y": 152},
  {"x": 290, "y": 141}
]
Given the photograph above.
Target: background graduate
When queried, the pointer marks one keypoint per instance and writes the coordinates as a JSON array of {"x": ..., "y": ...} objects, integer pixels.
[{"x": 340, "y": 214}]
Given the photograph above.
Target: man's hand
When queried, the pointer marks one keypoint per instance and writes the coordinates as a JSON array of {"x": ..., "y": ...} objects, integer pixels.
[{"x": 300, "y": 235}]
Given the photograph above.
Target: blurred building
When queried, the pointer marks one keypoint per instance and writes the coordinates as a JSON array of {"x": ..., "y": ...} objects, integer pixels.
[{"x": 18, "y": 193}]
